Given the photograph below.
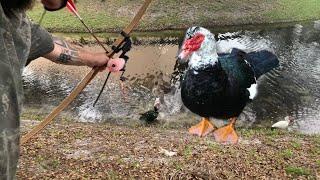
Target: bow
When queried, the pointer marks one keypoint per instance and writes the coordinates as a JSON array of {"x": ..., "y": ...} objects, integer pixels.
[{"x": 121, "y": 44}]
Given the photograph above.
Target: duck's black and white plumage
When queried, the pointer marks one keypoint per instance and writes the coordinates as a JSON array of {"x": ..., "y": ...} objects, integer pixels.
[
  {"x": 221, "y": 90},
  {"x": 219, "y": 85},
  {"x": 151, "y": 115}
]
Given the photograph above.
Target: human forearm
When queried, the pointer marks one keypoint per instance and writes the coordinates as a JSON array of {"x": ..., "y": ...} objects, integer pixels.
[{"x": 64, "y": 53}]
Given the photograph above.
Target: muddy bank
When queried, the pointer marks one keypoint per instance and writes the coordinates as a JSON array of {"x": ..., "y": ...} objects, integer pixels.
[{"x": 88, "y": 151}]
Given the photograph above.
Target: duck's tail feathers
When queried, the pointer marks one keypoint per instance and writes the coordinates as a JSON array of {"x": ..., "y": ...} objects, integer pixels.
[{"x": 262, "y": 61}]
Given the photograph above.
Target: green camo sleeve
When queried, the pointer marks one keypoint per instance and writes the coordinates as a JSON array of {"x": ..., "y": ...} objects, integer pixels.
[{"x": 41, "y": 42}]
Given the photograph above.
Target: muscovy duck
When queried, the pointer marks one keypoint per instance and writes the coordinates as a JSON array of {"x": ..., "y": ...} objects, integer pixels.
[
  {"x": 219, "y": 85},
  {"x": 151, "y": 115}
]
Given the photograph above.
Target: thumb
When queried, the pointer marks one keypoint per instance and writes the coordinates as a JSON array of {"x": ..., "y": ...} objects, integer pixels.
[{"x": 115, "y": 65}]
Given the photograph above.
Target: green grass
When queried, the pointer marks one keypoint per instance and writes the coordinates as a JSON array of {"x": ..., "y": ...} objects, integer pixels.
[
  {"x": 52, "y": 164},
  {"x": 79, "y": 135},
  {"x": 136, "y": 164},
  {"x": 248, "y": 132},
  {"x": 177, "y": 165},
  {"x": 296, "y": 145},
  {"x": 287, "y": 154},
  {"x": 298, "y": 171},
  {"x": 112, "y": 175},
  {"x": 187, "y": 151},
  {"x": 61, "y": 21},
  {"x": 32, "y": 116},
  {"x": 214, "y": 146},
  {"x": 47, "y": 163},
  {"x": 294, "y": 10},
  {"x": 316, "y": 140},
  {"x": 111, "y": 16},
  {"x": 316, "y": 148}
]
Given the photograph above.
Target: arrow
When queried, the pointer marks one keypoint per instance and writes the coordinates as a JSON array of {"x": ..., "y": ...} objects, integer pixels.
[
  {"x": 42, "y": 16},
  {"x": 71, "y": 6}
]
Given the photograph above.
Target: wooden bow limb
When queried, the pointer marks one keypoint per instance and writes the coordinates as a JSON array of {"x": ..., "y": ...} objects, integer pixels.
[{"x": 86, "y": 80}]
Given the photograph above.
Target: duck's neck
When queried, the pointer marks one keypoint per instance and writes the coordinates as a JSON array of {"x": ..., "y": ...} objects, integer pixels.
[{"x": 205, "y": 56}]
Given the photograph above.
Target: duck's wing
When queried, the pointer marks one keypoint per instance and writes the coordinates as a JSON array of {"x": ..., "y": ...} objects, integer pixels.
[
  {"x": 262, "y": 61},
  {"x": 236, "y": 66}
]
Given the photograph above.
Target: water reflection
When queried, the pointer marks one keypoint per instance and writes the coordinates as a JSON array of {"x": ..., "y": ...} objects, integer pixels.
[{"x": 292, "y": 89}]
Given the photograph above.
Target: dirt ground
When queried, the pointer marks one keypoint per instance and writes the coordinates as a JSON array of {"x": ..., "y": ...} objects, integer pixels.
[{"x": 69, "y": 150}]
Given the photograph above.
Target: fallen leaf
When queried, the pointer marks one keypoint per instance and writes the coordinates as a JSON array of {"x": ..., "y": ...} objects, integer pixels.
[{"x": 167, "y": 153}]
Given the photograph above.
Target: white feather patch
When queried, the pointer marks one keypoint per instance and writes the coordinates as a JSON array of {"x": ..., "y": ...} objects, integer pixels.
[
  {"x": 281, "y": 124},
  {"x": 253, "y": 90},
  {"x": 226, "y": 46}
]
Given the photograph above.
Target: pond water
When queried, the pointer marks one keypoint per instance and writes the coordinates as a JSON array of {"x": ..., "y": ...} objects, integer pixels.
[{"x": 293, "y": 89}]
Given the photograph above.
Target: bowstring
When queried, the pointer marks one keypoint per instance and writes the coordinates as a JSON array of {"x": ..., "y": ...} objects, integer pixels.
[{"x": 42, "y": 16}]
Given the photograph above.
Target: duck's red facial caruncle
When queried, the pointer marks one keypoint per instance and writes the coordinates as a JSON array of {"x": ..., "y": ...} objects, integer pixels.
[{"x": 191, "y": 45}]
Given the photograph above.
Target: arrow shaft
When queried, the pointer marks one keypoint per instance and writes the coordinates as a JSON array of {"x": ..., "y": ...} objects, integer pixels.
[
  {"x": 87, "y": 27},
  {"x": 94, "y": 36},
  {"x": 104, "y": 85},
  {"x": 42, "y": 16}
]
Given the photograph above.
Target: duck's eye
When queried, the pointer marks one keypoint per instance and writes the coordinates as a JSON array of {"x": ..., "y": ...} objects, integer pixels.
[{"x": 189, "y": 35}]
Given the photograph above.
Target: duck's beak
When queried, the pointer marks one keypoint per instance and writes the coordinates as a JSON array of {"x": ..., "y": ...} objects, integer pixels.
[{"x": 183, "y": 57}]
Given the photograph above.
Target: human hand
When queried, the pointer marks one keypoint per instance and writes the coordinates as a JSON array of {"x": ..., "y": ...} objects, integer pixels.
[
  {"x": 115, "y": 65},
  {"x": 94, "y": 59},
  {"x": 53, "y": 5},
  {"x": 102, "y": 60}
]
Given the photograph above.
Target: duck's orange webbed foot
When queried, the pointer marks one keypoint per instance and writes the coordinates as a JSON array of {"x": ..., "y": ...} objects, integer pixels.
[
  {"x": 203, "y": 128},
  {"x": 227, "y": 134}
]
